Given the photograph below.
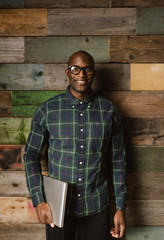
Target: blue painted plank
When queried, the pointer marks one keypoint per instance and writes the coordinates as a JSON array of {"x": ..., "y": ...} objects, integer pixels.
[{"x": 11, "y": 4}]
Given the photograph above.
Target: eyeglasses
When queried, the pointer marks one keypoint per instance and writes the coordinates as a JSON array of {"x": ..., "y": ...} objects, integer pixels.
[{"x": 76, "y": 69}]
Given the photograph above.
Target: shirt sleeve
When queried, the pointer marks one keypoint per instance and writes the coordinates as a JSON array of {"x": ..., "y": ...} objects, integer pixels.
[
  {"x": 118, "y": 162},
  {"x": 33, "y": 154}
]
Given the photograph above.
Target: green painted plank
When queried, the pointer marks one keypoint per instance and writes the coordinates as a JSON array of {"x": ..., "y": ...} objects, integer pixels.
[
  {"x": 145, "y": 159},
  {"x": 59, "y": 49},
  {"x": 11, "y": 4},
  {"x": 150, "y": 21},
  {"x": 24, "y": 103},
  {"x": 14, "y": 130},
  {"x": 21, "y": 77},
  {"x": 144, "y": 232}
]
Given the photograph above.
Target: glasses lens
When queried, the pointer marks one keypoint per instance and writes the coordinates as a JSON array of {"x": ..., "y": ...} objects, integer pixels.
[
  {"x": 75, "y": 69},
  {"x": 89, "y": 70}
]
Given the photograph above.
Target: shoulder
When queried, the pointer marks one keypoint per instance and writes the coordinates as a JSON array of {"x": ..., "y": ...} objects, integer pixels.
[{"x": 104, "y": 102}]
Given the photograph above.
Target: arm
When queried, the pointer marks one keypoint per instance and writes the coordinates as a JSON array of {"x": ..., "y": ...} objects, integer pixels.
[{"x": 117, "y": 173}]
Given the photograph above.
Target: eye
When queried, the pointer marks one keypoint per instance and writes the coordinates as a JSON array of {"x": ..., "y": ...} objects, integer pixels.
[
  {"x": 75, "y": 69},
  {"x": 89, "y": 69}
]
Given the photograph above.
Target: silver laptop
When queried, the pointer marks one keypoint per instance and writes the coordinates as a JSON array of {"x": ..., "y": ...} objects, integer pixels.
[{"x": 55, "y": 194}]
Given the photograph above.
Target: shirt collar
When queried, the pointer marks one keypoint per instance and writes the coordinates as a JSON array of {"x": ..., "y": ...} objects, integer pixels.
[{"x": 75, "y": 102}]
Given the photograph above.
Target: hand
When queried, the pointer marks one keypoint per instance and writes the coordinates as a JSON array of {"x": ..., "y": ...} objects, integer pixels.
[
  {"x": 119, "y": 225},
  {"x": 44, "y": 214}
]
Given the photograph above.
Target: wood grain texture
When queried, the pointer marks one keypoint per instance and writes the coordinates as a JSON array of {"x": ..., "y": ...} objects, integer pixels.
[
  {"x": 14, "y": 130},
  {"x": 11, "y": 4},
  {"x": 138, "y": 104},
  {"x": 145, "y": 186},
  {"x": 13, "y": 183},
  {"x": 144, "y": 131},
  {"x": 150, "y": 21},
  {"x": 24, "y": 22},
  {"x": 25, "y": 103},
  {"x": 65, "y": 3},
  {"x": 109, "y": 76},
  {"x": 10, "y": 157},
  {"x": 144, "y": 232},
  {"x": 96, "y": 21},
  {"x": 147, "y": 76},
  {"x": 11, "y": 49},
  {"x": 137, "y": 3},
  {"x": 145, "y": 159},
  {"x": 132, "y": 49},
  {"x": 5, "y": 104},
  {"x": 22, "y": 231},
  {"x": 59, "y": 49},
  {"x": 21, "y": 77}
]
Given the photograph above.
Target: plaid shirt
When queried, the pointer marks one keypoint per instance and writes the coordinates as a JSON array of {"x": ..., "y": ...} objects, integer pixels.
[{"x": 85, "y": 149}]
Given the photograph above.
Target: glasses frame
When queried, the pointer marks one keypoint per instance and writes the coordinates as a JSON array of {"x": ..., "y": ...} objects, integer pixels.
[{"x": 80, "y": 68}]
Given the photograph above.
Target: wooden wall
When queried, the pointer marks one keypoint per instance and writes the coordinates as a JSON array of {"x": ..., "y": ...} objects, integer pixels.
[{"x": 126, "y": 38}]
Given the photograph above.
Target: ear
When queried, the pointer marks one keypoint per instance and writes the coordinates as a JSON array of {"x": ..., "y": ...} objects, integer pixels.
[{"x": 67, "y": 72}]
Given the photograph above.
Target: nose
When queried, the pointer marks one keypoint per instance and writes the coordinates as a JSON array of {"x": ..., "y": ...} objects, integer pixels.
[{"x": 82, "y": 72}]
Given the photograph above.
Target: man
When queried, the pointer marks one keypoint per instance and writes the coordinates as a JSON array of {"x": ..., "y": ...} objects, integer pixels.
[{"x": 86, "y": 149}]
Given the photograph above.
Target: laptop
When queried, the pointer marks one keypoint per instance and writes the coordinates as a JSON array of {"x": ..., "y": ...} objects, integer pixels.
[{"x": 55, "y": 194}]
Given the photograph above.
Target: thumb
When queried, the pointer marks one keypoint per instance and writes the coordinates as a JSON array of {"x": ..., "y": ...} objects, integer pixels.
[
  {"x": 116, "y": 229},
  {"x": 50, "y": 219}
]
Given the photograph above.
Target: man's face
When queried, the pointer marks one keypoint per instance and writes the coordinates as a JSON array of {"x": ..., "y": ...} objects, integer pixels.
[{"x": 80, "y": 83}]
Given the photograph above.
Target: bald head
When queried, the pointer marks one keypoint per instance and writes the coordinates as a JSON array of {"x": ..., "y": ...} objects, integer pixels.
[{"x": 85, "y": 56}]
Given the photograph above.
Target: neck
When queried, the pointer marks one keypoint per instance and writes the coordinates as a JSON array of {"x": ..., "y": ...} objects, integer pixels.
[{"x": 80, "y": 95}]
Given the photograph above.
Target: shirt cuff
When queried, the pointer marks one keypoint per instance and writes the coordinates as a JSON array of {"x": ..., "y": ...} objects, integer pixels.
[{"x": 37, "y": 198}]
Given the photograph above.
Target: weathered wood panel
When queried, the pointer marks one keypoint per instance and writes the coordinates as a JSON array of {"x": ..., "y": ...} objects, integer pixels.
[
  {"x": 145, "y": 212},
  {"x": 24, "y": 103},
  {"x": 108, "y": 77},
  {"x": 11, "y": 49},
  {"x": 5, "y": 104},
  {"x": 13, "y": 183},
  {"x": 136, "y": 104},
  {"x": 150, "y": 21},
  {"x": 144, "y": 131},
  {"x": 10, "y": 157},
  {"x": 24, "y": 22},
  {"x": 96, "y": 21},
  {"x": 14, "y": 130},
  {"x": 147, "y": 76},
  {"x": 65, "y": 3},
  {"x": 137, "y": 3},
  {"x": 145, "y": 159},
  {"x": 59, "y": 49},
  {"x": 11, "y": 4},
  {"x": 21, "y": 77},
  {"x": 144, "y": 232},
  {"x": 31, "y": 215},
  {"x": 22, "y": 231},
  {"x": 145, "y": 186},
  {"x": 132, "y": 49},
  {"x": 13, "y": 210}
]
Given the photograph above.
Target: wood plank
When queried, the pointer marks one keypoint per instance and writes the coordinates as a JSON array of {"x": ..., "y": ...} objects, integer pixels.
[
  {"x": 24, "y": 22},
  {"x": 147, "y": 76},
  {"x": 11, "y": 49},
  {"x": 10, "y": 157},
  {"x": 21, "y": 77},
  {"x": 65, "y": 3},
  {"x": 22, "y": 231},
  {"x": 136, "y": 104},
  {"x": 144, "y": 232},
  {"x": 13, "y": 183},
  {"x": 109, "y": 77},
  {"x": 25, "y": 103},
  {"x": 5, "y": 104},
  {"x": 147, "y": 19},
  {"x": 11, "y": 4},
  {"x": 144, "y": 131},
  {"x": 59, "y": 49},
  {"x": 145, "y": 186},
  {"x": 137, "y": 3},
  {"x": 145, "y": 212},
  {"x": 145, "y": 159},
  {"x": 14, "y": 130},
  {"x": 96, "y": 21},
  {"x": 32, "y": 216},
  {"x": 13, "y": 210},
  {"x": 137, "y": 49}
]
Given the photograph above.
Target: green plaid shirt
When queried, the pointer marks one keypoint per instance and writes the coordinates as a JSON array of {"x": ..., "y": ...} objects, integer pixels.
[{"x": 85, "y": 149}]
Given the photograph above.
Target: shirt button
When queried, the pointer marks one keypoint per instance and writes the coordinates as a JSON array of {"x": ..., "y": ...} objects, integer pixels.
[
  {"x": 79, "y": 179},
  {"x": 73, "y": 106},
  {"x": 78, "y": 195},
  {"x": 81, "y": 102},
  {"x": 80, "y": 163},
  {"x": 89, "y": 106},
  {"x": 81, "y": 114},
  {"x": 81, "y": 130},
  {"x": 81, "y": 146}
]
